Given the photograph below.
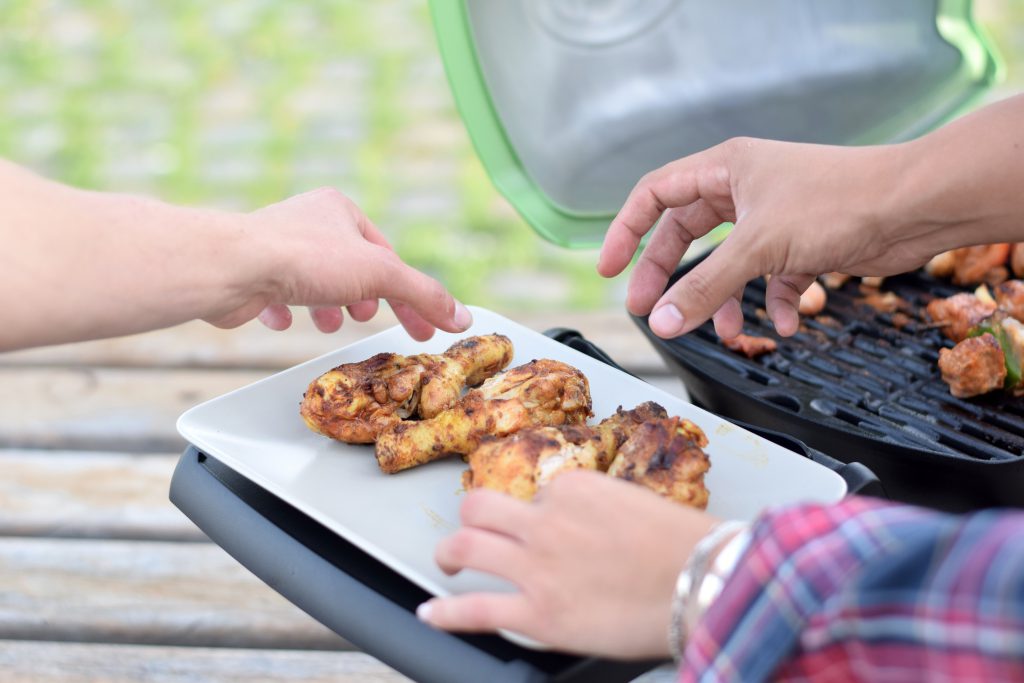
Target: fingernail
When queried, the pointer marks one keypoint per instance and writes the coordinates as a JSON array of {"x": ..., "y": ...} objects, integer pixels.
[
  {"x": 667, "y": 320},
  {"x": 424, "y": 610},
  {"x": 463, "y": 318}
]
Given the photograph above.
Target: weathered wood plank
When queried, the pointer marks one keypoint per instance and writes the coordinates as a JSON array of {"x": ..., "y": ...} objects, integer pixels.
[
  {"x": 186, "y": 594},
  {"x": 197, "y": 344},
  {"x": 47, "y": 662},
  {"x": 93, "y": 495},
  {"x": 118, "y": 409},
  {"x": 105, "y": 408}
]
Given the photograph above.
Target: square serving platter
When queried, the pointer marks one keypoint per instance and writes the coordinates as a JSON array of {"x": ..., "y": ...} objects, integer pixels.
[{"x": 398, "y": 519}]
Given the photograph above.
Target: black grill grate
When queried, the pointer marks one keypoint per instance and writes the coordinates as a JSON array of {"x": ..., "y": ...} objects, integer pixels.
[{"x": 851, "y": 368}]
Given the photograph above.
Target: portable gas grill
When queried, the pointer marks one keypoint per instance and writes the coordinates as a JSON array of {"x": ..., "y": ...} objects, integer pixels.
[
  {"x": 619, "y": 88},
  {"x": 861, "y": 388},
  {"x": 567, "y": 103}
]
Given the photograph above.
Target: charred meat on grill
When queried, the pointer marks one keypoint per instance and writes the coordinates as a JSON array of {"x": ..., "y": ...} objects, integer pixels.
[
  {"x": 750, "y": 346},
  {"x": 973, "y": 367},
  {"x": 982, "y": 263},
  {"x": 959, "y": 313},
  {"x": 1017, "y": 259},
  {"x": 1010, "y": 298}
]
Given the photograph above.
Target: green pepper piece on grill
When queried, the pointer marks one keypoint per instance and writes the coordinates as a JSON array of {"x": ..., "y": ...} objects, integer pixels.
[{"x": 1009, "y": 334}]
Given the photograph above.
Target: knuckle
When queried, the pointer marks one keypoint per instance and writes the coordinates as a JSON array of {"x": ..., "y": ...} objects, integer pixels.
[
  {"x": 478, "y": 614},
  {"x": 572, "y": 481},
  {"x": 459, "y": 547},
  {"x": 471, "y": 506},
  {"x": 646, "y": 179},
  {"x": 332, "y": 195},
  {"x": 477, "y": 505},
  {"x": 434, "y": 295},
  {"x": 697, "y": 286},
  {"x": 738, "y": 143}
]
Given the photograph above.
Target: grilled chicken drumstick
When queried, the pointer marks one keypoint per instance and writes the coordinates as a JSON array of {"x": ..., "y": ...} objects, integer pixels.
[
  {"x": 541, "y": 392},
  {"x": 521, "y": 464},
  {"x": 355, "y": 402}
]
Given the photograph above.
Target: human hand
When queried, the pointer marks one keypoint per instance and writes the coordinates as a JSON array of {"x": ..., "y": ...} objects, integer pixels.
[
  {"x": 799, "y": 210},
  {"x": 594, "y": 560},
  {"x": 323, "y": 252}
]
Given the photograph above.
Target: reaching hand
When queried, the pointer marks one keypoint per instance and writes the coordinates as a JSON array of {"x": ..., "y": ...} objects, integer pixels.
[
  {"x": 799, "y": 211},
  {"x": 325, "y": 254},
  {"x": 594, "y": 560}
]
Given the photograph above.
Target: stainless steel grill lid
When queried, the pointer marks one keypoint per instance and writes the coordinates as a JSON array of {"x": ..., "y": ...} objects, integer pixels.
[{"x": 569, "y": 102}]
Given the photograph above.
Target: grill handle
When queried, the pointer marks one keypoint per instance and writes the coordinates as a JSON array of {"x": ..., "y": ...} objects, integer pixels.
[{"x": 859, "y": 479}]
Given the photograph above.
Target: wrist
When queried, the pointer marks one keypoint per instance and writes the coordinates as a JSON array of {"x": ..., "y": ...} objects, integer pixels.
[
  {"x": 962, "y": 181},
  {"x": 202, "y": 260},
  {"x": 708, "y": 568}
]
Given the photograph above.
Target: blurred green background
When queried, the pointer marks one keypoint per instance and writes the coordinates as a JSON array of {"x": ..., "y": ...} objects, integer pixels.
[{"x": 241, "y": 103}]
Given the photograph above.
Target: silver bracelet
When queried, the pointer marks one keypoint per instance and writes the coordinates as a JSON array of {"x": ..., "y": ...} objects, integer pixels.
[{"x": 703, "y": 577}]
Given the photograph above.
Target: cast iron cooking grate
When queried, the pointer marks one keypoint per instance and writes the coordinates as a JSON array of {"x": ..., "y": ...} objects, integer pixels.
[{"x": 852, "y": 367}]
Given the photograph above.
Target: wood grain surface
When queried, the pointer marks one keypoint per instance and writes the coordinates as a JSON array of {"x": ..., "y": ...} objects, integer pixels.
[{"x": 101, "y": 577}]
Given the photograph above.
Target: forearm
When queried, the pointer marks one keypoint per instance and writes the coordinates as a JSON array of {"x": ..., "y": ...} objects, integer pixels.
[
  {"x": 84, "y": 265},
  {"x": 843, "y": 587},
  {"x": 964, "y": 181}
]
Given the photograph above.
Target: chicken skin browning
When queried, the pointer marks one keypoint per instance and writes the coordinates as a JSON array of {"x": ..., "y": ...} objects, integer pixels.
[
  {"x": 750, "y": 346},
  {"x": 541, "y": 392},
  {"x": 974, "y": 366},
  {"x": 1010, "y": 298},
  {"x": 982, "y": 263},
  {"x": 356, "y": 402},
  {"x": 959, "y": 313},
  {"x": 521, "y": 464},
  {"x": 666, "y": 456}
]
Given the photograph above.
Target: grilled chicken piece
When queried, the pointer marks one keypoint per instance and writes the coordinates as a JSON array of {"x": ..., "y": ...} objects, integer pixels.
[
  {"x": 886, "y": 302},
  {"x": 959, "y": 313},
  {"x": 355, "y": 402},
  {"x": 665, "y": 456},
  {"x": 942, "y": 265},
  {"x": 521, "y": 464},
  {"x": 750, "y": 346},
  {"x": 982, "y": 263},
  {"x": 1010, "y": 298},
  {"x": 541, "y": 392},
  {"x": 1017, "y": 259},
  {"x": 872, "y": 282},
  {"x": 834, "y": 280},
  {"x": 974, "y": 366}
]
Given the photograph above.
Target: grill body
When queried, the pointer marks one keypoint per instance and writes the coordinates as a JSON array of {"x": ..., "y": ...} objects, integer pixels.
[{"x": 854, "y": 385}]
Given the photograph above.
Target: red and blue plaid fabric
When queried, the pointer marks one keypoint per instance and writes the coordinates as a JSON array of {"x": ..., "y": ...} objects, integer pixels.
[{"x": 869, "y": 591}]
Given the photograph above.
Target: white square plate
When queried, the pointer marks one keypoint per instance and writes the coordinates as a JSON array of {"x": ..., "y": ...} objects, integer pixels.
[{"x": 399, "y": 518}]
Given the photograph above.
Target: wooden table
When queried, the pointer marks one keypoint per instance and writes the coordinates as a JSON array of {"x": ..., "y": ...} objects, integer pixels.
[{"x": 101, "y": 578}]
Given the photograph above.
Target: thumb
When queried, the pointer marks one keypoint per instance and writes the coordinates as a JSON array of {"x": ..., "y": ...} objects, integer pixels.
[{"x": 691, "y": 301}]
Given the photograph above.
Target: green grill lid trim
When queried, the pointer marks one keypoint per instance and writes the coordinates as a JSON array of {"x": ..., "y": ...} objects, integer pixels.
[
  {"x": 473, "y": 101},
  {"x": 954, "y": 22}
]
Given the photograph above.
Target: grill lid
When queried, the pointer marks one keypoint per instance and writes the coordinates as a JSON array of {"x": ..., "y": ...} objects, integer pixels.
[{"x": 569, "y": 102}]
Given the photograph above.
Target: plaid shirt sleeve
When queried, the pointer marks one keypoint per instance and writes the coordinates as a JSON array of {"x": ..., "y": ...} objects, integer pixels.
[{"x": 869, "y": 591}]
